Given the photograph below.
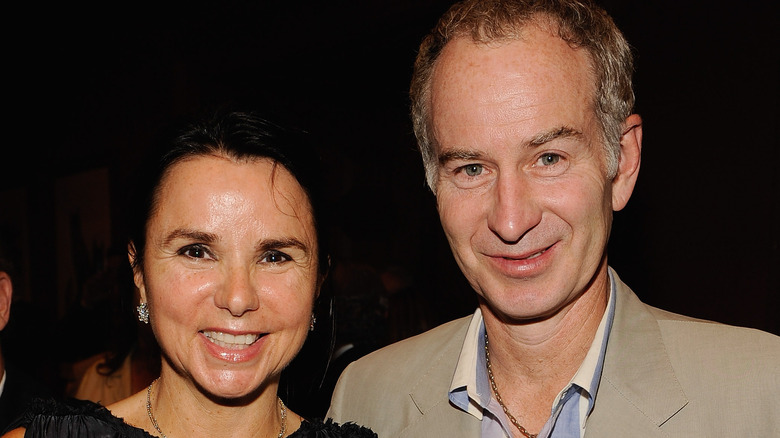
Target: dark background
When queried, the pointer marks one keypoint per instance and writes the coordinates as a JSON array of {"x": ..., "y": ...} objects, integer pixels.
[{"x": 87, "y": 88}]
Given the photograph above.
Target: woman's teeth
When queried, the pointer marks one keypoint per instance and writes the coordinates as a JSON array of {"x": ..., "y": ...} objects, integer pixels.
[{"x": 226, "y": 340}]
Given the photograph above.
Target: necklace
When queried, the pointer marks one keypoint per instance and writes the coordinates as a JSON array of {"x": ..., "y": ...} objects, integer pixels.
[
  {"x": 282, "y": 412},
  {"x": 498, "y": 396}
]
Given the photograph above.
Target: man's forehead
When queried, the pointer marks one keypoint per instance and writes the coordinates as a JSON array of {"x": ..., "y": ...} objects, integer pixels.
[
  {"x": 471, "y": 80},
  {"x": 535, "y": 44}
]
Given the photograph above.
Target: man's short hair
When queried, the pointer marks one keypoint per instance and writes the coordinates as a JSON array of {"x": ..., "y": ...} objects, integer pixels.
[{"x": 580, "y": 23}]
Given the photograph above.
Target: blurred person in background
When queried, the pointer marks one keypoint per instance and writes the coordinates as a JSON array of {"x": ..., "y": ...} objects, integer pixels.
[{"x": 17, "y": 387}]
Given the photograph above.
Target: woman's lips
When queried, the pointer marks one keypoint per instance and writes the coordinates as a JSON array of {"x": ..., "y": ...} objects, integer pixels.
[{"x": 234, "y": 348}]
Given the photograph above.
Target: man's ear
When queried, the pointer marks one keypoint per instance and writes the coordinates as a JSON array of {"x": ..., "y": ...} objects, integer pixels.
[
  {"x": 6, "y": 295},
  {"x": 630, "y": 158},
  {"x": 138, "y": 272}
]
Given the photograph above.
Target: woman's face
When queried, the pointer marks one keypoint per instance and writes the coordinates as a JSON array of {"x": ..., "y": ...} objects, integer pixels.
[{"x": 230, "y": 272}]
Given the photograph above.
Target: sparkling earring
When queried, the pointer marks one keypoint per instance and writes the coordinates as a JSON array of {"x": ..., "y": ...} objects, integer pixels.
[
  {"x": 143, "y": 313},
  {"x": 311, "y": 324}
]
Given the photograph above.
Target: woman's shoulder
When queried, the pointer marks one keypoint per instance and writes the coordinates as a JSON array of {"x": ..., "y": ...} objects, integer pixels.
[
  {"x": 330, "y": 429},
  {"x": 16, "y": 433},
  {"x": 73, "y": 417}
]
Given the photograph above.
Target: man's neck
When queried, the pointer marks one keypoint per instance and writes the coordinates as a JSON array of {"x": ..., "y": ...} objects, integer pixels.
[{"x": 533, "y": 362}]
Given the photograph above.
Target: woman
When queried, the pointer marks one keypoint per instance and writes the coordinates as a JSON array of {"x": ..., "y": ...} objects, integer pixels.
[{"x": 227, "y": 260}]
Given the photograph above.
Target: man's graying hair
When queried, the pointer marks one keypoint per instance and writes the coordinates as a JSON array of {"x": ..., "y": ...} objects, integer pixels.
[{"x": 581, "y": 23}]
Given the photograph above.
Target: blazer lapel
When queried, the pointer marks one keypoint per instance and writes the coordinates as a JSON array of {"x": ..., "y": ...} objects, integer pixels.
[
  {"x": 638, "y": 391},
  {"x": 430, "y": 395}
]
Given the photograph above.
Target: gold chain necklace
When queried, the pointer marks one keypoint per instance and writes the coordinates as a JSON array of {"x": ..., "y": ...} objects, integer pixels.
[
  {"x": 498, "y": 396},
  {"x": 282, "y": 412}
]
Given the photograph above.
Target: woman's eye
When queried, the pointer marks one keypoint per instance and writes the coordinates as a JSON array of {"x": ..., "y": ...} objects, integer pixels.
[
  {"x": 549, "y": 159},
  {"x": 275, "y": 257},
  {"x": 194, "y": 251},
  {"x": 473, "y": 169}
]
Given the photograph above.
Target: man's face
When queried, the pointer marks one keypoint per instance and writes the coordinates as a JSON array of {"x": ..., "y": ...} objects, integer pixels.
[{"x": 522, "y": 189}]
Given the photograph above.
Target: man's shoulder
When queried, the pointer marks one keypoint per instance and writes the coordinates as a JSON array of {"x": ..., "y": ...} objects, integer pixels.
[
  {"x": 411, "y": 376},
  {"x": 635, "y": 314},
  {"x": 446, "y": 339},
  {"x": 689, "y": 333},
  {"x": 694, "y": 335},
  {"x": 433, "y": 354},
  {"x": 732, "y": 352},
  {"x": 692, "y": 329}
]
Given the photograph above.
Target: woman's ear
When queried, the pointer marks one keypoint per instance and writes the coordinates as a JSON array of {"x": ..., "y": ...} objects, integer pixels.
[
  {"x": 630, "y": 158},
  {"x": 138, "y": 272},
  {"x": 6, "y": 296},
  {"x": 323, "y": 277}
]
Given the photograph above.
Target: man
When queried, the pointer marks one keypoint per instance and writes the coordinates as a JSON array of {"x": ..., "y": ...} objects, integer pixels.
[
  {"x": 16, "y": 387},
  {"x": 523, "y": 113}
]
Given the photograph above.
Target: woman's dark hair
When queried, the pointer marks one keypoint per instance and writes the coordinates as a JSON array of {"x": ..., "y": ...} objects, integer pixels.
[{"x": 241, "y": 136}]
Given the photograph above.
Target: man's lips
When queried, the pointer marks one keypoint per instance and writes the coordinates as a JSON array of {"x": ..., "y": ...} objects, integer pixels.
[
  {"x": 522, "y": 257},
  {"x": 522, "y": 265}
]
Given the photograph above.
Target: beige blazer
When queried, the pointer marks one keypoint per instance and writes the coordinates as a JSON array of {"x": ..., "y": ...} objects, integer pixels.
[{"x": 665, "y": 375}]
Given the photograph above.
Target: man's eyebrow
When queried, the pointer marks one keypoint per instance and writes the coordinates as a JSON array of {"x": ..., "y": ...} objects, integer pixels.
[
  {"x": 458, "y": 154},
  {"x": 554, "y": 134},
  {"x": 184, "y": 233}
]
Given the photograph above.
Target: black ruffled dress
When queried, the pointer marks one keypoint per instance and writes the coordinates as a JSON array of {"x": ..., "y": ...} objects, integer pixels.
[{"x": 47, "y": 418}]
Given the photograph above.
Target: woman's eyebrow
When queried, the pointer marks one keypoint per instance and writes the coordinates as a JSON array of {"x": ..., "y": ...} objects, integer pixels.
[
  {"x": 185, "y": 233},
  {"x": 289, "y": 242}
]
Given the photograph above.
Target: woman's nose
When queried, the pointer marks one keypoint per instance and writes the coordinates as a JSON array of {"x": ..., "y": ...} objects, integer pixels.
[{"x": 238, "y": 294}]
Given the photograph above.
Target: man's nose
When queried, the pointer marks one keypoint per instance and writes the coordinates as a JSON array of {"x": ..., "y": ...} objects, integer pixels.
[
  {"x": 238, "y": 294},
  {"x": 514, "y": 209}
]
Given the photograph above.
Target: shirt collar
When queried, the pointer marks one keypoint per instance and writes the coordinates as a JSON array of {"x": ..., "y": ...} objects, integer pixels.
[
  {"x": 594, "y": 360},
  {"x": 2, "y": 383},
  {"x": 467, "y": 391}
]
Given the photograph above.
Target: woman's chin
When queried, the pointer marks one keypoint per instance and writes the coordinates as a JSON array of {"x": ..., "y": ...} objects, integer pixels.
[{"x": 237, "y": 389}]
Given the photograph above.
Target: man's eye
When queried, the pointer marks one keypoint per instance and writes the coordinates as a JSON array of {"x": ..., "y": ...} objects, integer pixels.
[
  {"x": 473, "y": 169},
  {"x": 549, "y": 159},
  {"x": 275, "y": 257}
]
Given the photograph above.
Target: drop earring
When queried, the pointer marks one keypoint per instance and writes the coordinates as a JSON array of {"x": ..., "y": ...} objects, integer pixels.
[
  {"x": 311, "y": 324},
  {"x": 143, "y": 313}
]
